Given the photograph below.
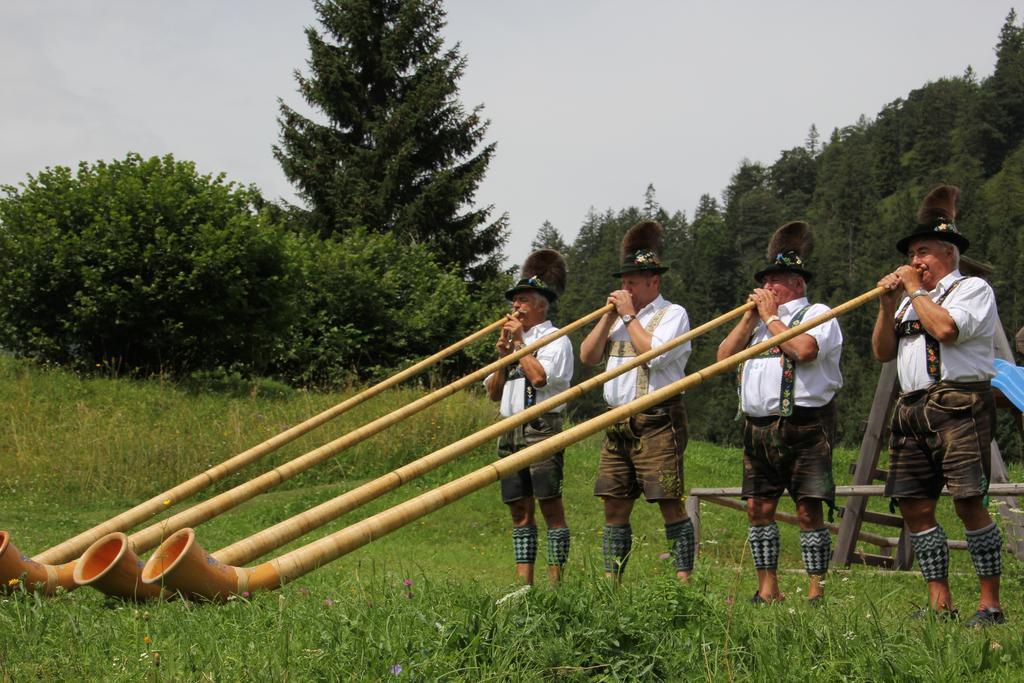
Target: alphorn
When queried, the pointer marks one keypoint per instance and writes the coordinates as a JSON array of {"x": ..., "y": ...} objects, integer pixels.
[
  {"x": 108, "y": 566},
  {"x": 149, "y": 537},
  {"x": 13, "y": 564},
  {"x": 182, "y": 565}
]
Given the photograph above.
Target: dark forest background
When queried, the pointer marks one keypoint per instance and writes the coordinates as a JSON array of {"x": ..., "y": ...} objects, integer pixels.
[{"x": 860, "y": 189}]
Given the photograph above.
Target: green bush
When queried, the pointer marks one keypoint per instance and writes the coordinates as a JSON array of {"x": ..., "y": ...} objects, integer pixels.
[
  {"x": 141, "y": 265},
  {"x": 374, "y": 302}
]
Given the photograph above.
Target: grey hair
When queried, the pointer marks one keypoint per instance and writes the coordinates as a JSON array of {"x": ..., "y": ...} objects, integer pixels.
[
  {"x": 803, "y": 282},
  {"x": 543, "y": 303},
  {"x": 956, "y": 256}
]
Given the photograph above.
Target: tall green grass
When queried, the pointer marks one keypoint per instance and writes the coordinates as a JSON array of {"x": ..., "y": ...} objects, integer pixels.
[{"x": 420, "y": 604}]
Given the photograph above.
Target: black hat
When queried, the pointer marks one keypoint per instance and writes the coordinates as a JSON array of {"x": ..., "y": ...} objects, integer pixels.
[
  {"x": 935, "y": 220},
  {"x": 641, "y": 250},
  {"x": 787, "y": 249},
  {"x": 543, "y": 271}
]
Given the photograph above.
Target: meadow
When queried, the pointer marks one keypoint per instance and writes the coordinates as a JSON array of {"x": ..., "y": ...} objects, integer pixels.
[{"x": 425, "y": 603}]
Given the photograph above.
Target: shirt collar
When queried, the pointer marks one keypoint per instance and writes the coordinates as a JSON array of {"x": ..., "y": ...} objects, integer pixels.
[
  {"x": 539, "y": 328},
  {"x": 945, "y": 282},
  {"x": 658, "y": 303},
  {"x": 793, "y": 306}
]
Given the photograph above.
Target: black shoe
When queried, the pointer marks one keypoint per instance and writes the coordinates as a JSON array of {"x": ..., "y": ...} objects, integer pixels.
[
  {"x": 986, "y": 616},
  {"x": 757, "y": 599}
]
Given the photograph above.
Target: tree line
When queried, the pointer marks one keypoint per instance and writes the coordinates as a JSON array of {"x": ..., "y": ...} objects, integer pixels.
[{"x": 860, "y": 191}]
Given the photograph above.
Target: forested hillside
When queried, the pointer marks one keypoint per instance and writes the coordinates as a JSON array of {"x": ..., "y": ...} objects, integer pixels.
[{"x": 860, "y": 190}]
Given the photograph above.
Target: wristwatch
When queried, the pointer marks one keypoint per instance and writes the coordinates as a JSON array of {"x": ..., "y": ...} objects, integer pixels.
[
  {"x": 771, "y": 319},
  {"x": 627, "y": 319},
  {"x": 918, "y": 292}
]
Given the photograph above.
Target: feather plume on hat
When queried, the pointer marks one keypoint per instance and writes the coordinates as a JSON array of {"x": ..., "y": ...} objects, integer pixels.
[
  {"x": 935, "y": 220},
  {"x": 641, "y": 249},
  {"x": 788, "y": 250},
  {"x": 791, "y": 237},
  {"x": 939, "y": 205},
  {"x": 647, "y": 235},
  {"x": 543, "y": 271},
  {"x": 549, "y": 266}
]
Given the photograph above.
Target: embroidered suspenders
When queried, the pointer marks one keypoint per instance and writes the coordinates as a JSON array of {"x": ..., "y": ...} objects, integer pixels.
[
  {"x": 786, "y": 401},
  {"x": 625, "y": 349},
  {"x": 529, "y": 392},
  {"x": 910, "y": 328}
]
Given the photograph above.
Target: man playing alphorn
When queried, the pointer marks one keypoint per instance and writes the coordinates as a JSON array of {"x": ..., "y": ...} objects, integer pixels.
[
  {"x": 535, "y": 378},
  {"x": 642, "y": 454},
  {"x": 942, "y": 425},
  {"x": 786, "y": 395}
]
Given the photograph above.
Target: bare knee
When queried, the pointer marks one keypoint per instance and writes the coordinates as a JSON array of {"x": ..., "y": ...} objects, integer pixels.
[
  {"x": 617, "y": 510},
  {"x": 522, "y": 512},
  {"x": 809, "y": 514},
  {"x": 554, "y": 512},
  {"x": 918, "y": 513},
  {"x": 761, "y": 511},
  {"x": 972, "y": 513}
]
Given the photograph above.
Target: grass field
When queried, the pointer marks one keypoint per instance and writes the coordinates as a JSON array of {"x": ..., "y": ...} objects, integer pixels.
[{"x": 420, "y": 604}]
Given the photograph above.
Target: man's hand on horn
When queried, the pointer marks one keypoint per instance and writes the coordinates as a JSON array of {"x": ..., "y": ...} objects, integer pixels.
[{"x": 767, "y": 304}]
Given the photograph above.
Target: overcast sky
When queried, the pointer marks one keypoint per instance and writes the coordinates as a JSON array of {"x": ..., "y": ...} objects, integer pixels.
[{"x": 588, "y": 101}]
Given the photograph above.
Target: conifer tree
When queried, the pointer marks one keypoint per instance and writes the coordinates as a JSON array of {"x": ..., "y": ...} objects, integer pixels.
[
  {"x": 548, "y": 237},
  {"x": 651, "y": 206},
  {"x": 392, "y": 148}
]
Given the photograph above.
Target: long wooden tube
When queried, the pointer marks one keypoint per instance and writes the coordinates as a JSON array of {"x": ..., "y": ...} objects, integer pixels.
[
  {"x": 269, "y": 539},
  {"x": 15, "y": 564},
  {"x": 154, "y": 534},
  {"x": 257, "y": 545},
  {"x": 181, "y": 564},
  {"x": 74, "y": 546}
]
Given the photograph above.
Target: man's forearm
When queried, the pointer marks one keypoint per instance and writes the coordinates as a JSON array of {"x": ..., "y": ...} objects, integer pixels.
[
  {"x": 592, "y": 348},
  {"x": 883, "y": 337}
]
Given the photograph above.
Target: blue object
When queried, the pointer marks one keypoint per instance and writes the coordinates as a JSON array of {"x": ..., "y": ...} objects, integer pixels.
[{"x": 1009, "y": 379}]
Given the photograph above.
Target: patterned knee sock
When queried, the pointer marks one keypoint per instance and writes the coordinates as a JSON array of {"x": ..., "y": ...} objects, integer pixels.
[
  {"x": 986, "y": 547},
  {"x": 816, "y": 547},
  {"x": 764, "y": 545},
  {"x": 558, "y": 546},
  {"x": 617, "y": 541},
  {"x": 524, "y": 544},
  {"x": 932, "y": 553},
  {"x": 681, "y": 544}
]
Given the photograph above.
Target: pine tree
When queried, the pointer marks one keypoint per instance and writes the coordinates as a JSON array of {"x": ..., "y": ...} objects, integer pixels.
[
  {"x": 548, "y": 237},
  {"x": 651, "y": 206},
  {"x": 395, "y": 150},
  {"x": 1008, "y": 77},
  {"x": 813, "y": 142}
]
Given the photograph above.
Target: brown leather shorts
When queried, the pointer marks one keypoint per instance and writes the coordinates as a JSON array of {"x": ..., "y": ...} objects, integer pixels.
[
  {"x": 644, "y": 454},
  {"x": 942, "y": 435},
  {"x": 790, "y": 453},
  {"x": 542, "y": 480}
]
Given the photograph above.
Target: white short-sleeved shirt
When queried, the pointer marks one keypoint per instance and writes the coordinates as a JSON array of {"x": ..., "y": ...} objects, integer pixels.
[
  {"x": 556, "y": 359},
  {"x": 816, "y": 381},
  {"x": 665, "y": 369},
  {"x": 972, "y": 305}
]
